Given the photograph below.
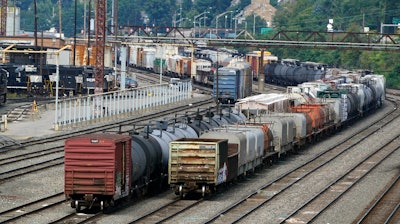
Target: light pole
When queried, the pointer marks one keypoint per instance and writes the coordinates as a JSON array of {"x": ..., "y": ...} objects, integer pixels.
[
  {"x": 194, "y": 21},
  {"x": 226, "y": 17},
  {"x": 236, "y": 18},
  {"x": 231, "y": 26},
  {"x": 254, "y": 23},
  {"x": 181, "y": 20},
  {"x": 216, "y": 21}
]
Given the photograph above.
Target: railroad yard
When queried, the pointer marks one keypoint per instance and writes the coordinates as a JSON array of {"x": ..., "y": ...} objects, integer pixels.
[{"x": 337, "y": 171}]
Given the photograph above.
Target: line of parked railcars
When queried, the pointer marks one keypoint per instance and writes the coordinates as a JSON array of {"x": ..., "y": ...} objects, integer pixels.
[
  {"x": 276, "y": 124},
  {"x": 203, "y": 152},
  {"x": 177, "y": 61},
  {"x": 40, "y": 80},
  {"x": 288, "y": 72},
  {"x": 293, "y": 72},
  {"x": 101, "y": 169}
]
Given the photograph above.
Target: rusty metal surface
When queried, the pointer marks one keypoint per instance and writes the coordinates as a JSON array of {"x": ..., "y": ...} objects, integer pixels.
[
  {"x": 315, "y": 112},
  {"x": 197, "y": 160}
]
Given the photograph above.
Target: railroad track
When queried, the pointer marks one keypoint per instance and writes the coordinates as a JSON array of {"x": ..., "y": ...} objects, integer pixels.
[
  {"x": 35, "y": 166},
  {"x": 114, "y": 126},
  {"x": 16, "y": 214},
  {"x": 16, "y": 173},
  {"x": 167, "y": 211},
  {"x": 310, "y": 210},
  {"x": 77, "y": 218},
  {"x": 41, "y": 207},
  {"x": 241, "y": 209},
  {"x": 81, "y": 132},
  {"x": 30, "y": 155},
  {"x": 385, "y": 208}
]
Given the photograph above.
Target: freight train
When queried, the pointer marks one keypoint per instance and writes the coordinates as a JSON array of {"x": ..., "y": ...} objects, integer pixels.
[
  {"x": 234, "y": 74},
  {"x": 287, "y": 72},
  {"x": 41, "y": 80},
  {"x": 201, "y": 153},
  {"x": 177, "y": 62},
  {"x": 276, "y": 124}
]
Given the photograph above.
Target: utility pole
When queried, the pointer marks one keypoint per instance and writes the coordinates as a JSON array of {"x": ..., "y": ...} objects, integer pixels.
[
  {"x": 89, "y": 26},
  {"x": 60, "y": 17},
  {"x": 261, "y": 73},
  {"x": 35, "y": 23},
  {"x": 254, "y": 23},
  {"x": 3, "y": 28},
  {"x": 74, "y": 56},
  {"x": 100, "y": 44}
]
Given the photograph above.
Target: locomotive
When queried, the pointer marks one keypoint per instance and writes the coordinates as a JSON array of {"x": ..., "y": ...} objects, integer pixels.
[
  {"x": 211, "y": 149},
  {"x": 40, "y": 80}
]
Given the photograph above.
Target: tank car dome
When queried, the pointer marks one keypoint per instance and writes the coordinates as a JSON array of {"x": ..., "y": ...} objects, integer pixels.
[
  {"x": 200, "y": 126},
  {"x": 190, "y": 132}
]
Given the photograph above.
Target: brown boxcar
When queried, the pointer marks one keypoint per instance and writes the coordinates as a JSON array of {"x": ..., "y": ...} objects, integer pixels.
[
  {"x": 97, "y": 169},
  {"x": 200, "y": 165}
]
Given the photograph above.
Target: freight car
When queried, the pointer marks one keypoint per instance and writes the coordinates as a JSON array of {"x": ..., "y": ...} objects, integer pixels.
[
  {"x": 203, "y": 152},
  {"x": 102, "y": 169},
  {"x": 292, "y": 72},
  {"x": 254, "y": 59},
  {"x": 223, "y": 154},
  {"x": 232, "y": 83}
]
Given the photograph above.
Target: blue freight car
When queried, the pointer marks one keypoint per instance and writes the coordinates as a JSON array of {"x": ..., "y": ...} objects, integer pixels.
[{"x": 232, "y": 83}]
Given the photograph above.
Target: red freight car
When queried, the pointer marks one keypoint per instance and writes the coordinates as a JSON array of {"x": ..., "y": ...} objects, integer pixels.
[{"x": 97, "y": 170}]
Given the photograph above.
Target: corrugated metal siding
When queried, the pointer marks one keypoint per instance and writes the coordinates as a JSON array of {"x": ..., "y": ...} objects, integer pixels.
[
  {"x": 196, "y": 160},
  {"x": 90, "y": 167}
]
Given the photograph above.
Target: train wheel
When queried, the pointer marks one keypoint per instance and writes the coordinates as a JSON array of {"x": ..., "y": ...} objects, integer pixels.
[
  {"x": 181, "y": 191},
  {"x": 72, "y": 204},
  {"x": 77, "y": 206}
]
